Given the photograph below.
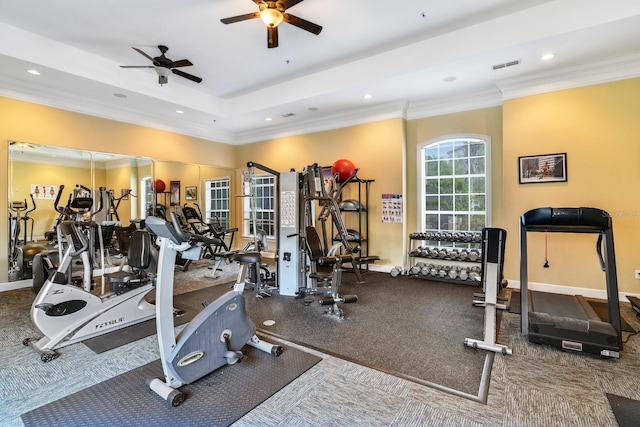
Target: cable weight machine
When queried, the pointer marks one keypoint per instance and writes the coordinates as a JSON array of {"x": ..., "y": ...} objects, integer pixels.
[{"x": 296, "y": 196}]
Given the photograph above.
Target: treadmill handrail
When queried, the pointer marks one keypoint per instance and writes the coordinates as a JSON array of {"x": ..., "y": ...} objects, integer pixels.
[{"x": 572, "y": 220}]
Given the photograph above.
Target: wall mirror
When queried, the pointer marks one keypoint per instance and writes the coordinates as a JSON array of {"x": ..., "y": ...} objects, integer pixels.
[
  {"x": 39, "y": 174},
  {"x": 208, "y": 189},
  {"x": 40, "y": 171}
]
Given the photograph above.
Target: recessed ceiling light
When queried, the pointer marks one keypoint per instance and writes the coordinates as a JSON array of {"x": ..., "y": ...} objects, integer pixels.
[
  {"x": 34, "y": 72},
  {"x": 368, "y": 96},
  {"x": 547, "y": 56},
  {"x": 268, "y": 119},
  {"x": 312, "y": 108},
  {"x": 179, "y": 111},
  {"x": 450, "y": 79},
  {"x": 119, "y": 95}
]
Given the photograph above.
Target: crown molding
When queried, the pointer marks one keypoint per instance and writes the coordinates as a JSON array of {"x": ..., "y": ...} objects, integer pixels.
[
  {"x": 485, "y": 98},
  {"x": 606, "y": 70},
  {"x": 335, "y": 120}
]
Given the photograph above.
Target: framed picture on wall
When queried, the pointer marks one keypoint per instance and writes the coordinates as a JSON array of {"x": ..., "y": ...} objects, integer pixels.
[
  {"x": 542, "y": 168},
  {"x": 191, "y": 193},
  {"x": 174, "y": 189}
]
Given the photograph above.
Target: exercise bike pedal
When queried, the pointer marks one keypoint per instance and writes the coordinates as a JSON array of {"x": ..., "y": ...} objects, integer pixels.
[
  {"x": 308, "y": 300},
  {"x": 234, "y": 357}
]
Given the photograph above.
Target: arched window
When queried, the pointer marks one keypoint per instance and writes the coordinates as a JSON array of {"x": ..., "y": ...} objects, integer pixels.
[{"x": 455, "y": 183}]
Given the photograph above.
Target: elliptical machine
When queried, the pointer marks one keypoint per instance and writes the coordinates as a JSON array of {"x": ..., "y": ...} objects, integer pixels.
[
  {"x": 22, "y": 252},
  {"x": 66, "y": 313},
  {"x": 215, "y": 336}
]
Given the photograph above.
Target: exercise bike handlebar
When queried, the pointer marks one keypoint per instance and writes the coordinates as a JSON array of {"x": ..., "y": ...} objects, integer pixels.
[{"x": 163, "y": 229}]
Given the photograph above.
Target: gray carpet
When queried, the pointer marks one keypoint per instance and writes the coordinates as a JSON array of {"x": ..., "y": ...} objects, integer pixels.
[
  {"x": 219, "y": 399},
  {"x": 409, "y": 327}
]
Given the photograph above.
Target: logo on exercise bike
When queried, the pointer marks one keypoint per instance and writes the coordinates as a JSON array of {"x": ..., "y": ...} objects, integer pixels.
[
  {"x": 190, "y": 358},
  {"x": 109, "y": 323}
]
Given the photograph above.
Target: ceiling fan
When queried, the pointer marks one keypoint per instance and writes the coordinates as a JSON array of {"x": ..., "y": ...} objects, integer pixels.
[
  {"x": 273, "y": 13},
  {"x": 164, "y": 66}
]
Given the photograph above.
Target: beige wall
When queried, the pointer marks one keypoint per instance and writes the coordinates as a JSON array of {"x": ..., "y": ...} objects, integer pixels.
[
  {"x": 599, "y": 129},
  {"x": 375, "y": 149}
]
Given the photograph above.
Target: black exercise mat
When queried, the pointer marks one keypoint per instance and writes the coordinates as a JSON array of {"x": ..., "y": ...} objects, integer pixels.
[
  {"x": 626, "y": 411},
  {"x": 598, "y": 306},
  {"x": 219, "y": 399},
  {"x": 410, "y": 327},
  {"x": 132, "y": 333}
]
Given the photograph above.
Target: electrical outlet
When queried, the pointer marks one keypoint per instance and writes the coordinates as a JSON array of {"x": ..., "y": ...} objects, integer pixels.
[{"x": 637, "y": 275}]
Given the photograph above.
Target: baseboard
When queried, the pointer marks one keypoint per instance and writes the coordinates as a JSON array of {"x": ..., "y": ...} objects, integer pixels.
[
  {"x": 570, "y": 290},
  {"x": 10, "y": 286}
]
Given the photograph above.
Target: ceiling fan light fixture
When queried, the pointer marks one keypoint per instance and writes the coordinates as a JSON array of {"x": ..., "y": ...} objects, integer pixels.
[{"x": 271, "y": 17}]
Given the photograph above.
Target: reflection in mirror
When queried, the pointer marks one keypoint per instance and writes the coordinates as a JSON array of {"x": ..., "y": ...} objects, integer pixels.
[
  {"x": 206, "y": 192},
  {"x": 42, "y": 182}
]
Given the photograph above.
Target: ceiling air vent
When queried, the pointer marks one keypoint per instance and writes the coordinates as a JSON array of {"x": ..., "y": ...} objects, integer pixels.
[
  {"x": 288, "y": 115},
  {"x": 506, "y": 64}
]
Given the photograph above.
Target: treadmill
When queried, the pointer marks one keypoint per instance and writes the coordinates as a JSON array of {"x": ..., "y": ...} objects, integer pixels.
[{"x": 568, "y": 321}]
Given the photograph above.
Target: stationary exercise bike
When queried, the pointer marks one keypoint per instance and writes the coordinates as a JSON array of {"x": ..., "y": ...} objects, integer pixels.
[
  {"x": 66, "y": 313},
  {"x": 215, "y": 336}
]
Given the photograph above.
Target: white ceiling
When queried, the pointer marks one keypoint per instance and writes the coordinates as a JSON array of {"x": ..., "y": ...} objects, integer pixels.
[{"x": 400, "y": 52}]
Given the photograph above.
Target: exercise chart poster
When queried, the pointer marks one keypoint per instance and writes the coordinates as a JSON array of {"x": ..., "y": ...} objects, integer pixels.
[
  {"x": 392, "y": 208},
  {"x": 44, "y": 191}
]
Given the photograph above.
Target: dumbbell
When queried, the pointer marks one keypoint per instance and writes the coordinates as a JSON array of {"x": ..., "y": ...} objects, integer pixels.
[
  {"x": 443, "y": 270},
  {"x": 464, "y": 255},
  {"x": 442, "y": 253},
  {"x": 397, "y": 271},
  {"x": 433, "y": 253},
  {"x": 463, "y": 274},
  {"x": 453, "y": 272},
  {"x": 475, "y": 274},
  {"x": 474, "y": 255},
  {"x": 453, "y": 254}
]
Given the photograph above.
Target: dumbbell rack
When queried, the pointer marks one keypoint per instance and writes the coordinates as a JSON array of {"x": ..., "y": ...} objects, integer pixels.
[{"x": 453, "y": 257}]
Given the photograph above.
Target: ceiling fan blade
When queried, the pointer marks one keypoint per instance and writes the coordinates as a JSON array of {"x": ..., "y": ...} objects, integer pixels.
[
  {"x": 239, "y": 18},
  {"x": 290, "y": 3},
  {"x": 181, "y": 63},
  {"x": 137, "y": 66},
  {"x": 146, "y": 56},
  {"x": 272, "y": 37},
  {"x": 187, "y": 76},
  {"x": 302, "y": 23}
]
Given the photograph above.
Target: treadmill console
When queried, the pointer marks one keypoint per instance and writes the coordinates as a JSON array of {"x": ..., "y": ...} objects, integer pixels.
[{"x": 567, "y": 219}]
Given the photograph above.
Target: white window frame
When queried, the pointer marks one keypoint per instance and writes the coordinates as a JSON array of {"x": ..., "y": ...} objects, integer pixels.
[
  {"x": 246, "y": 210},
  {"x": 422, "y": 211},
  {"x": 145, "y": 184},
  {"x": 225, "y": 218}
]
